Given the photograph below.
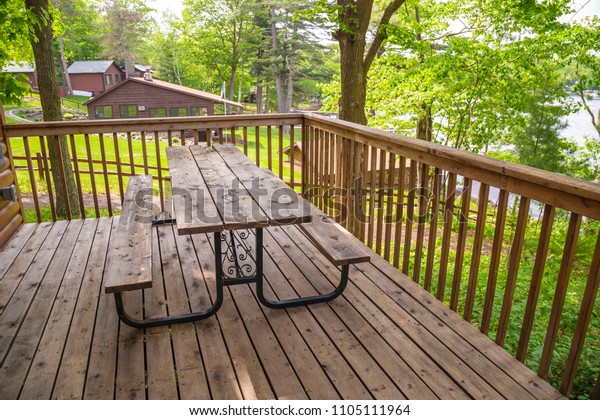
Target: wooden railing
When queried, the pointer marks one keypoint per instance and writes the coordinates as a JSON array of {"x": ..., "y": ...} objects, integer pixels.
[
  {"x": 487, "y": 237},
  {"x": 104, "y": 153},
  {"x": 514, "y": 250}
]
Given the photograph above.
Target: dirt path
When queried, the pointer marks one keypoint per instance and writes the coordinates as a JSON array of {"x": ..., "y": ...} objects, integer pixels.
[{"x": 12, "y": 114}]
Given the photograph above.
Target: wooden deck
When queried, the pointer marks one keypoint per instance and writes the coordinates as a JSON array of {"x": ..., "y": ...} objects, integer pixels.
[{"x": 385, "y": 338}]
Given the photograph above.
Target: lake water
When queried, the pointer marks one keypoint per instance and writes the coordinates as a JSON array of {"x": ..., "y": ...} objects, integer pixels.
[{"x": 580, "y": 123}]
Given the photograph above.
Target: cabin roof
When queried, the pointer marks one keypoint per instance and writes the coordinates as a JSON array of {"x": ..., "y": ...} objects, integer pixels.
[
  {"x": 171, "y": 87},
  {"x": 93, "y": 66},
  {"x": 18, "y": 67}
]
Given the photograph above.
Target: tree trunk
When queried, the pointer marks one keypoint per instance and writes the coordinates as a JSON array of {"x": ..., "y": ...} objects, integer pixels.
[
  {"x": 355, "y": 18},
  {"x": 63, "y": 60},
  {"x": 277, "y": 67},
  {"x": 63, "y": 65},
  {"x": 352, "y": 51},
  {"x": 354, "y": 83},
  {"x": 67, "y": 204},
  {"x": 259, "y": 97},
  {"x": 287, "y": 107},
  {"x": 424, "y": 123}
]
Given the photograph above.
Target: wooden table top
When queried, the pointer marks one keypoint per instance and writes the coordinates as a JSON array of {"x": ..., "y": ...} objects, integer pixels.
[{"x": 217, "y": 188}]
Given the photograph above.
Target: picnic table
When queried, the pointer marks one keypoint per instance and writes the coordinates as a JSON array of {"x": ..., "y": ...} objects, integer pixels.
[{"x": 217, "y": 189}]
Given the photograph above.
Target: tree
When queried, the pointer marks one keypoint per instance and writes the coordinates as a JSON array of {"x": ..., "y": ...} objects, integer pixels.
[
  {"x": 127, "y": 27},
  {"x": 220, "y": 33},
  {"x": 60, "y": 160},
  {"x": 14, "y": 47},
  {"x": 352, "y": 19},
  {"x": 77, "y": 33}
]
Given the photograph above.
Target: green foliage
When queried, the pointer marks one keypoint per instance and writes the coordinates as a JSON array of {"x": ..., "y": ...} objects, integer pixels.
[{"x": 79, "y": 23}]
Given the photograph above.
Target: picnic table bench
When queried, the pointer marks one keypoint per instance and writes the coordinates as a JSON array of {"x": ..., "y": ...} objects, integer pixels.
[{"x": 219, "y": 190}]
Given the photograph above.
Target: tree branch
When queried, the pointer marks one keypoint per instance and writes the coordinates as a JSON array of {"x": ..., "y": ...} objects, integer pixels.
[{"x": 381, "y": 32}]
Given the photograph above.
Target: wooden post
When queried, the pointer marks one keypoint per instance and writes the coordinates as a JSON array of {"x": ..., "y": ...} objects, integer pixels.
[{"x": 40, "y": 164}]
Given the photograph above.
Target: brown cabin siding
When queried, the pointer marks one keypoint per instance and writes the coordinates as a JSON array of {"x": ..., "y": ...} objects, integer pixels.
[
  {"x": 149, "y": 97},
  {"x": 95, "y": 82},
  {"x": 10, "y": 212}
]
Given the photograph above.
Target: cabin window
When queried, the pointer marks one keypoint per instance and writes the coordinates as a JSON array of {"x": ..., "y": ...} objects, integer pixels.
[
  {"x": 198, "y": 111},
  {"x": 128, "y": 111},
  {"x": 109, "y": 80},
  {"x": 157, "y": 112},
  {"x": 103, "y": 111},
  {"x": 178, "y": 112}
]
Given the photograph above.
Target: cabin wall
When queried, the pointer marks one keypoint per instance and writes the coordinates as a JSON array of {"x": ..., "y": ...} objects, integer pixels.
[
  {"x": 145, "y": 97},
  {"x": 89, "y": 82},
  {"x": 11, "y": 216},
  {"x": 96, "y": 82}
]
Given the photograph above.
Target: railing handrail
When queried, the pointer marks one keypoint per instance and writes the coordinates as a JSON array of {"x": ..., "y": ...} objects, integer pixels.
[
  {"x": 558, "y": 190},
  {"x": 149, "y": 124}
]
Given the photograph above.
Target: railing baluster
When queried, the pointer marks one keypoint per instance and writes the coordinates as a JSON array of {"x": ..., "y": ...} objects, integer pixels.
[
  {"x": 495, "y": 261},
  {"x": 364, "y": 159},
  {"x": 270, "y": 147},
  {"x": 583, "y": 323},
  {"x": 390, "y": 205},
  {"x": 159, "y": 171},
  {"x": 422, "y": 217},
  {"x": 92, "y": 174},
  {"x": 63, "y": 176},
  {"x": 410, "y": 214},
  {"x": 257, "y": 143},
  {"x": 292, "y": 157},
  {"x": 461, "y": 242},
  {"x": 36, "y": 200},
  {"x": 105, "y": 173},
  {"x": 119, "y": 171},
  {"x": 560, "y": 294},
  {"x": 318, "y": 166},
  {"x": 536, "y": 281},
  {"x": 131, "y": 154},
  {"x": 447, "y": 235},
  {"x": 399, "y": 211},
  {"x": 372, "y": 196},
  {"x": 380, "y": 197},
  {"x": 513, "y": 269},
  {"x": 326, "y": 174},
  {"x": 280, "y": 136},
  {"x": 433, "y": 226},
  {"x": 484, "y": 192},
  {"x": 48, "y": 180},
  {"x": 144, "y": 151},
  {"x": 354, "y": 186},
  {"x": 77, "y": 175}
]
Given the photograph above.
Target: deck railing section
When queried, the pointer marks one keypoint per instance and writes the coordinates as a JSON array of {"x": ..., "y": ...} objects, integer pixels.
[
  {"x": 473, "y": 231},
  {"x": 104, "y": 153}
]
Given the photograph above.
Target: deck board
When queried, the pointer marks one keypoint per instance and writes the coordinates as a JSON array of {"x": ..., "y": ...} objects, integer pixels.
[{"x": 384, "y": 338}]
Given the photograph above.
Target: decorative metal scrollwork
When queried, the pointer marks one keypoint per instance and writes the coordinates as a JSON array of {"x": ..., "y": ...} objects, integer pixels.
[{"x": 237, "y": 261}]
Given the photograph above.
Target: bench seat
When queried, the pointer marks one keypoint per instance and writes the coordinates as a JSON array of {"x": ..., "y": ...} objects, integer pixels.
[
  {"x": 336, "y": 243},
  {"x": 129, "y": 265}
]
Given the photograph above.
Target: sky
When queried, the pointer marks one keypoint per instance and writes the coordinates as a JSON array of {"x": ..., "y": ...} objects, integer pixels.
[
  {"x": 584, "y": 7},
  {"x": 161, "y": 6}
]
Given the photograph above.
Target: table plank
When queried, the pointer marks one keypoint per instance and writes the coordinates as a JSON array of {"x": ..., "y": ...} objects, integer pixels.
[
  {"x": 234, "y": 203},
  {"x": 277, "y": 200},
  {"x": 194, "y": 208}
]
